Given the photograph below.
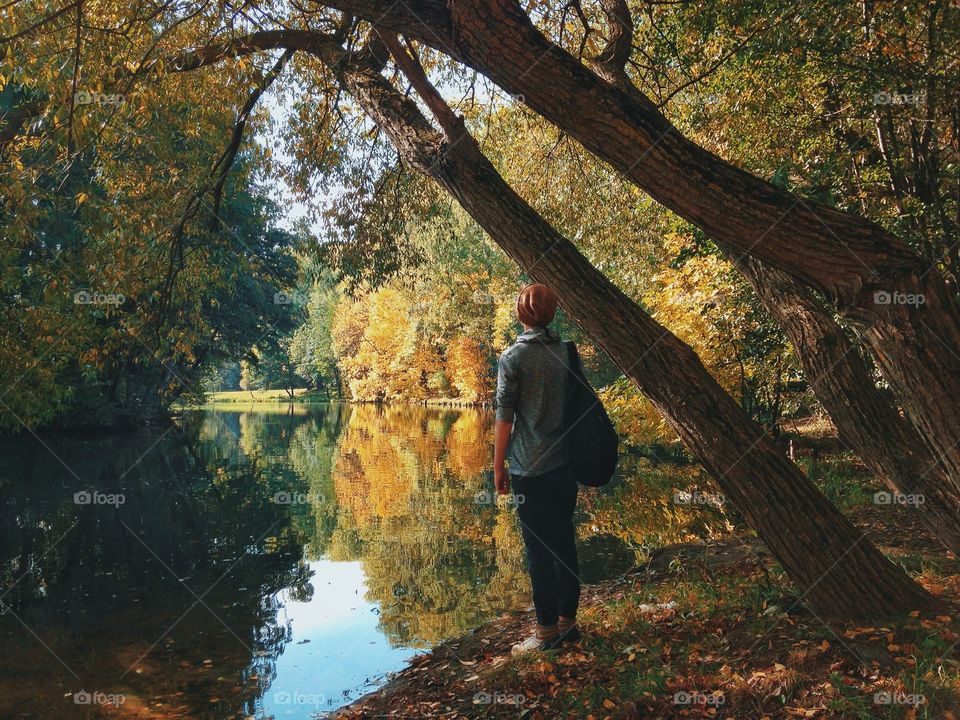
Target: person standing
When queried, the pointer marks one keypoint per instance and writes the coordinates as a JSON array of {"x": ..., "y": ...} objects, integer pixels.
[{"x": 530, "y": 453}]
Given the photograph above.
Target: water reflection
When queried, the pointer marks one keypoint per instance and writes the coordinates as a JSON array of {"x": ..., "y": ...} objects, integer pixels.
[{"x": 271, "y": 564}]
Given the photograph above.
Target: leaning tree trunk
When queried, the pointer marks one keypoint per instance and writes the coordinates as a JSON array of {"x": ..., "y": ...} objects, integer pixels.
[
  {"x": 848, "y": 259},
  {"x": 927, "y": 384},
  {"x": 838, "y": 571},
  {"x": 865, "y": 418}
]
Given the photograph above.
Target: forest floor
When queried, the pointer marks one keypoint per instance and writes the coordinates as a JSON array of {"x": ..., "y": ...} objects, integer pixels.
[{"x": 707, "y": 631}]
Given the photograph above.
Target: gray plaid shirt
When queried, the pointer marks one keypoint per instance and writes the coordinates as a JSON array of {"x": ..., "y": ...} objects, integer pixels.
[{"x": 532, "y": 379}]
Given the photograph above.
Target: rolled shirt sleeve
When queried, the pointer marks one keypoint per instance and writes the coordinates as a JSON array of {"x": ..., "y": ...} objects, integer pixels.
[{"x": 507, "y": 384}]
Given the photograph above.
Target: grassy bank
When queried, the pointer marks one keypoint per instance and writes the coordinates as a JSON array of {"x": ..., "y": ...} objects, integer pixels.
[
  {"x": 258, "y": 396},
  {"x": 302, "y": 395},
  {"x": 713, "y": 631}
]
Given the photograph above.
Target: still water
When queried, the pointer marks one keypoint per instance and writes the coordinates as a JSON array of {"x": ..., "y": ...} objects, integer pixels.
[{"x": 273, "y": 562}]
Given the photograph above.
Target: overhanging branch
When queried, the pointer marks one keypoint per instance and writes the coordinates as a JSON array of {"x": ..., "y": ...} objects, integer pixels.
[
  {"x": 613, "y": 58},
  {"x": 409, "y": 63}
]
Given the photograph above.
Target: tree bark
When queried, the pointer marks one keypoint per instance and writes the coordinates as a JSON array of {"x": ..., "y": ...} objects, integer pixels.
[
  {"x": 848, "y": 259},
  {"x": 838, "y": 571},
  {"x": 865, "y": 418},
  {"x": 917, "y": 358}
]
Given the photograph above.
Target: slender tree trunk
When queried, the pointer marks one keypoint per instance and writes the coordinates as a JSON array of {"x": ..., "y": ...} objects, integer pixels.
[
  {"x": 838, "y": 571},
  {"x": 866, "y": 419},
  {"x": 849, "y": 259}
]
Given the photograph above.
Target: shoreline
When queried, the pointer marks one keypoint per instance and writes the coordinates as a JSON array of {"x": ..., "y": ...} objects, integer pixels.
[{"x": 304, "y": 397}]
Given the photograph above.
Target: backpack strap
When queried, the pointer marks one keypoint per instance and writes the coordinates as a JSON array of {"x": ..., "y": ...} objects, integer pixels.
[{"x": 573, "y": 358}]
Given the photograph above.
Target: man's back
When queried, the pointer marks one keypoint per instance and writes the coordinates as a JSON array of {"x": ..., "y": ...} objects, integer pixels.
[{"x": 531, "y": 391}]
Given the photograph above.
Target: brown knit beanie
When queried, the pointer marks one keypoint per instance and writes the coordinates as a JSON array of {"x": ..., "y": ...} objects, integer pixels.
[{"x": 536, "y": 305}]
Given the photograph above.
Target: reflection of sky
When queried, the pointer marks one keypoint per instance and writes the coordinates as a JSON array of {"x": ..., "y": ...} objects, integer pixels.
[{"x": 346, "y": 651}]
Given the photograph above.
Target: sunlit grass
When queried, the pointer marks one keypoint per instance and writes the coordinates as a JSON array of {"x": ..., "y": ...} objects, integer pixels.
[{"x": 254, "y": 395}]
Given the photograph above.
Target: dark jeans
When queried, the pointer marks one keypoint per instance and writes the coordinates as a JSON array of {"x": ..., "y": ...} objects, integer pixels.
[{"x": 546, "y": 521}]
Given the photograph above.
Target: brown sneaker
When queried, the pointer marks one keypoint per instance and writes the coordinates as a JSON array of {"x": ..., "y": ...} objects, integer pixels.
[
  {"x": 569, "y": 633},
  {"x": 546, "y": 637}
]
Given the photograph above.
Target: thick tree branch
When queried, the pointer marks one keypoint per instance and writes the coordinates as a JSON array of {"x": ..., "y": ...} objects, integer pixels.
[
  {"x": 612, "y": 60},
  {"x": 408, "y": 62},
  {"x": 196, "y": 58}
]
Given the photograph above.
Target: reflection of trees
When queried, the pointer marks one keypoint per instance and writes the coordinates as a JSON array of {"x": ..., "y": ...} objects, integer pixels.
[
  {"x": 376, "y": 468},
  {"x": 310, "y": 455},
  {"x": 405, "y": 479},
  {"x": 101, "y": 596},
  {"x": 468, "y": 444},
  {"x": 386, "y": 454},
  {"x": 640, "y": 510},
  {"x": 394, "y": 486},
  {"x": 436, "y": 570},
  {"x": 438, "y": 563},
  {"x": 288, "y": 453},
  {"x": 509, "y": 586}
]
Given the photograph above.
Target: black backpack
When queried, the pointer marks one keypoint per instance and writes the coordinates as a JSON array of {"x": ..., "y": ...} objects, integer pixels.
[{"x": 591, "y": 439}]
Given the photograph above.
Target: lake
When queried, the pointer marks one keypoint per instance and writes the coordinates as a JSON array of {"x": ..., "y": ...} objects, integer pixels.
[{"x": 275, "y": 561}]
